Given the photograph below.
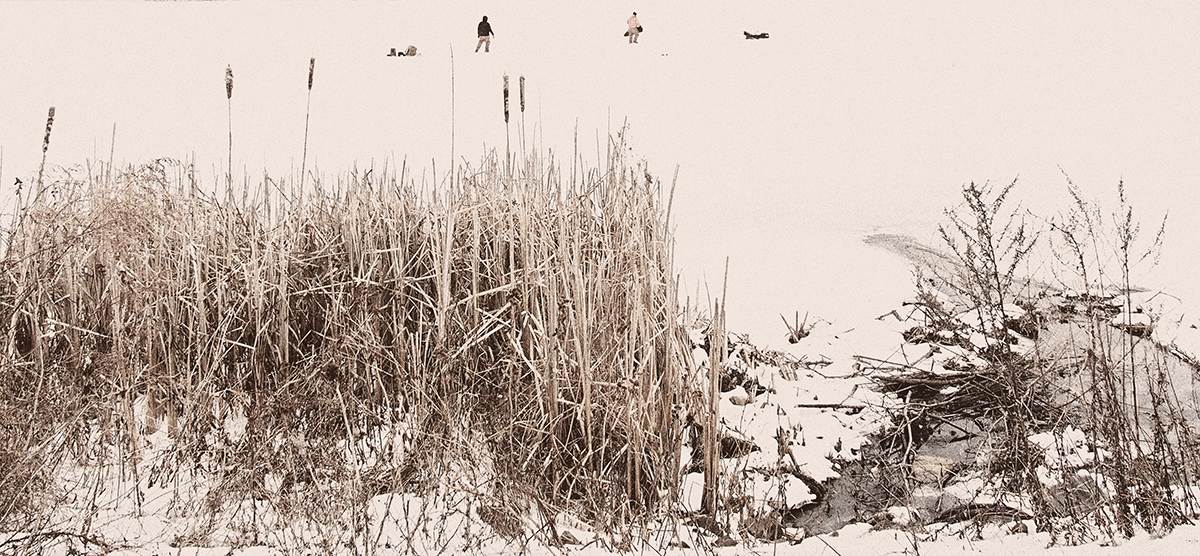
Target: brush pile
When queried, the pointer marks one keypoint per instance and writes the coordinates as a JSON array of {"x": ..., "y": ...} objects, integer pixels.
[{"x": 1052, "y": 402}]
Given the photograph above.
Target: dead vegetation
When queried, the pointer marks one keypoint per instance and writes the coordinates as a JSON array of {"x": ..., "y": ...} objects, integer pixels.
[
  {"x": 1055, "y": 394},
  {"x": 370, "y": 332},
  {"x": 371, "y": 362}
]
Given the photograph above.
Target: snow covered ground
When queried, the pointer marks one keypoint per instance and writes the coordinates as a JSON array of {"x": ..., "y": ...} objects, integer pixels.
[
  {"x": 828, "y": 408},
  {"x": 853, "y": 118}
]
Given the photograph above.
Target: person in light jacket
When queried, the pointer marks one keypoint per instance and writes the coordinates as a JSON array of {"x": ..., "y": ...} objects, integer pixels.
[
  {"x": 485, "y": 36},
  {"x": 635, "y": 28}
]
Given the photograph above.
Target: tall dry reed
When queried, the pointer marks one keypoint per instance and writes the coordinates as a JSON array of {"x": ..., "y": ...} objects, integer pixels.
[
  {"x": 45, "y": 147},
  {"x": 312, "y": 62},
  {"x": 229, "y": 120},
  {"x": 524, "y": 314}
]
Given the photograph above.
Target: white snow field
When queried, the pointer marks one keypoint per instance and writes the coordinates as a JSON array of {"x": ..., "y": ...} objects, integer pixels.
[{"x": 853, "y": 118}]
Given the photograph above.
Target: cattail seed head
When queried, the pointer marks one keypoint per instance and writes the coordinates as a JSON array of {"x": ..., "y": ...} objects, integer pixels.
[
  {"x": 522, "y": 94},
  {"x": 506, "y": 99},
  {"x": 49, "y": 123},
  {"x": 311, "y": 63},
  {"x": 229, "y": 82}
]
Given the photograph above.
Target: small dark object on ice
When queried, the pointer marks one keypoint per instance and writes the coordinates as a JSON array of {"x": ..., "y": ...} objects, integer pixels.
[
  {"x": 750, "y": 35},
  {"x": 410, "y": 51}
]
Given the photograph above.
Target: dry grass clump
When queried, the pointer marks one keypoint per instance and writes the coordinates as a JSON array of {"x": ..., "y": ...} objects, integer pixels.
[{"x": 524, "y": 312}]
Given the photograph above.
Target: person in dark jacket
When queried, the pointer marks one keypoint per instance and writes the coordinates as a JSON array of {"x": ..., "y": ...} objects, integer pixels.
[{"x": 485, "y": 36}]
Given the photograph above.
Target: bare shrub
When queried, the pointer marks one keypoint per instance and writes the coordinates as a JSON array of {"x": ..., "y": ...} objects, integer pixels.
[
  {"x": 989, "y": 242},
  {"x": 1125, "y": 386}
]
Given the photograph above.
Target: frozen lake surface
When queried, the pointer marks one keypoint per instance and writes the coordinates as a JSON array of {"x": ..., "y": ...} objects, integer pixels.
[{"x": 853, "y": 118}]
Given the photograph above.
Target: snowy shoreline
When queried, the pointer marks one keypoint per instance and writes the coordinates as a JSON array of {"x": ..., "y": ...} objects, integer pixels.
[
  {"x": 811, "y": 168},
  {"x": 821, "y": 387}
]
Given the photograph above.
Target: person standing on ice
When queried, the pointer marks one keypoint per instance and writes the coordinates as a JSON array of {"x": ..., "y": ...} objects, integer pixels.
[
  {"x": 635, "y": 28},
  {"x": 485, "y": 36}
]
